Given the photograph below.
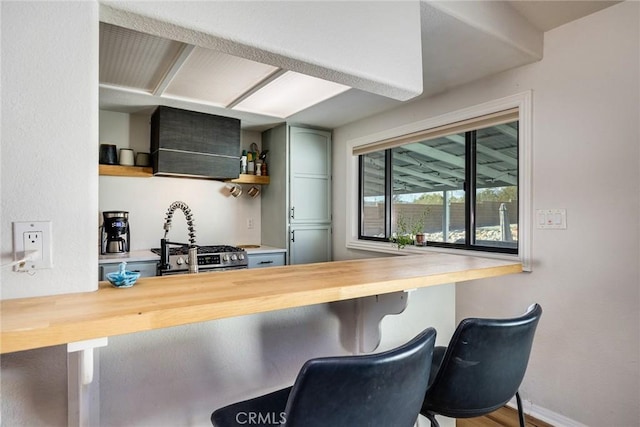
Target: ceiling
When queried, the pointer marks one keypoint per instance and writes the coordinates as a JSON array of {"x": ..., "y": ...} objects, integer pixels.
[
  {"x": 549, "y": 14},
  {"x": 139, "y": 71}
]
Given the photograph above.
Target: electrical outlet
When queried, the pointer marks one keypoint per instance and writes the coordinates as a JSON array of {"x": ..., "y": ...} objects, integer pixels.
[
  {"x": 33, "y": 242},
  {"x": 32, "y": 236},
  {"x": 250, "y": 223}
]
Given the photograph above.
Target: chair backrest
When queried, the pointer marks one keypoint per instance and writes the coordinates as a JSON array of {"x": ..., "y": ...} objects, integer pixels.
[
  {"x": 483, "y": 366},
  {"x": 383, "y": 389}
]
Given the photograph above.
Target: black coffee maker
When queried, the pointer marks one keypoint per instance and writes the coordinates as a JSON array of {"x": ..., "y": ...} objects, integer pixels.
[{"x": 115, "y": 238}]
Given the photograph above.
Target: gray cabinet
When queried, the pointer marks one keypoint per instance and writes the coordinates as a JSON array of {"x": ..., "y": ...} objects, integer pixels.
[
  {"x": 265, "y": 260},
  {"x": 145, "y": 268},
  {"x": 310, "y": 243},
  {"x": 296, "y": 205}
]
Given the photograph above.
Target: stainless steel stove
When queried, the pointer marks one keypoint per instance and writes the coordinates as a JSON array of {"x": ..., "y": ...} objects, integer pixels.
[{"x": 210, "y": 258}]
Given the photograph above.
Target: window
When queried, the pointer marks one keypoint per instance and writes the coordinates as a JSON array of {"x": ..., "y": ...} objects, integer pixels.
[
  {"x": 462, "y": 180},
  {"x": 459, "y": 190}
]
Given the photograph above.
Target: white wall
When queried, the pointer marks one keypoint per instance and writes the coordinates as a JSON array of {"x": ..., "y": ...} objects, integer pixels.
[
  {"x": 49, "y": 139},
  {"x": 49, "y": 155},
  {"x": 586, "y": 140},
  {"x": 218, "y": 218}
]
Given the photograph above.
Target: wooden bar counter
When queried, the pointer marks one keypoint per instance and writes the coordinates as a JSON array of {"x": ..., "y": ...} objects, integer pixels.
[{"x": 160, "y": 302}]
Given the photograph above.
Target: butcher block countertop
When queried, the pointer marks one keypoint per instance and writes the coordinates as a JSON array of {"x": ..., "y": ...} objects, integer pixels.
[{"x": 161, "y": 302}]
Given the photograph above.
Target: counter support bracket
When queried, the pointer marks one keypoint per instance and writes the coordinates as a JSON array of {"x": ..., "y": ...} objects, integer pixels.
[
  {"x": 83, "y": 383},
  {"x": 370, "y": 311}
]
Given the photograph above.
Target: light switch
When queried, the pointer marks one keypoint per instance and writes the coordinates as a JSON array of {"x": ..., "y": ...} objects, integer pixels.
[{"x": 552, "y": 218}]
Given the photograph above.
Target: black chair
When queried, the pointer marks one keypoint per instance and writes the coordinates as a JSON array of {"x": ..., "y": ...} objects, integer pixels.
[
  {"x": 383, "y": 389},
  {"x": 482, "y": 368}
]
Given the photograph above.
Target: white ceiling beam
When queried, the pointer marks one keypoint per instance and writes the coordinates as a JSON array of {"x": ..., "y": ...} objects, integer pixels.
[
  {"x": 271, "y": 77},
  {"x": 459, "y": 162},
  {"x": 507, "y": 130},
  {"x": 420, "y": 182},
  {"x": 422, "y": 174},
  {"x": 459, "y": 139},
  {"x": 173, "y": 70}
]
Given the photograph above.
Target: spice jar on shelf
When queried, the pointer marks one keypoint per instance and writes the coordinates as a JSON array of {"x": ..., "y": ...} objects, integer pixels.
[
  {"x": 250, "y": 164},
  {"x": 243, "y": 162}
]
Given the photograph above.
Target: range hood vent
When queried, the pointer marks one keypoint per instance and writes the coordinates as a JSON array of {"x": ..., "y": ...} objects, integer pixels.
[{"x": 195, "y": 145}]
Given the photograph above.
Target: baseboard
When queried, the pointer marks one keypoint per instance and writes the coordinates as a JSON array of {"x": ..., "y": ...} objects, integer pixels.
[{"x": 545, "y": 415}]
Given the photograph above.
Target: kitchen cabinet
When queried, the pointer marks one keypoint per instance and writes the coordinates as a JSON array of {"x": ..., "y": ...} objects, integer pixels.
[
  {"x": 296, "y": 206},
  {"x": 145, "y": 268},
  {"x": 265, "y": 260},
  {"x": 310, "y": 243}
]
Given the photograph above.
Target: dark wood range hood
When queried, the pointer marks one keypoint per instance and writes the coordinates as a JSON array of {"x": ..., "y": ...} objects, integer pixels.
[{"x": 194, "y": 145}]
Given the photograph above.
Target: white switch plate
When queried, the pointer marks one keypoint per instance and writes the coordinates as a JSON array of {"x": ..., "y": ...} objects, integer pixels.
[
  {"x": 32, "y": 235},
  {"x": 551, "y": 218}
]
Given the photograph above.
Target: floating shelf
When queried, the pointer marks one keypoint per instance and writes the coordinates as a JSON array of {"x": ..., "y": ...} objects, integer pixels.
[
  {"x": 134, "y": 171},
  {"x": 250, "y": 179},
  {"x": 147, "y": 172}
]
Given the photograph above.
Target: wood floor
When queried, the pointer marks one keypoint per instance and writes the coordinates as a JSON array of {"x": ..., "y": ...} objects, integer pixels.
[{"x": 504, "y": 417}]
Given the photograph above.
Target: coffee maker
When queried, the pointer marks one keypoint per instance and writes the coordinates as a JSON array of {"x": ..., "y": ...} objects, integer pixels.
[{"x": 115, "y": 237}]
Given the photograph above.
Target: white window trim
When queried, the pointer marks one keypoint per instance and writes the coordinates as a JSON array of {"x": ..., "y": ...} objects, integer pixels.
[{"x": 522, "y": 101}]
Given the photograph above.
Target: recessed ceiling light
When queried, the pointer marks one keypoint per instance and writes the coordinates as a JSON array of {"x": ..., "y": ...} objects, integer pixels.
[{"x": 290, "y": 93}]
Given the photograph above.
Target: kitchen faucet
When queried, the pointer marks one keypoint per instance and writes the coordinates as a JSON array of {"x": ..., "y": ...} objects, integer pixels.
[{"x": 192, "y": 260}]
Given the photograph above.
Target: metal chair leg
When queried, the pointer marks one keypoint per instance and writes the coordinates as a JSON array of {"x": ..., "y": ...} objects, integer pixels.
[
  {"x": 432, "y": 419},
  {"x": 520, "y": 411}
]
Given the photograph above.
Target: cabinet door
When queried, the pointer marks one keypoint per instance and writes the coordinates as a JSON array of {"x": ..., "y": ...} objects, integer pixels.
[
  {"x": 310, "y": 176},
  {"x": 309, "y": 200},
  {"x": 310, "y": 243},
  {"x": 265, "y": 260}
]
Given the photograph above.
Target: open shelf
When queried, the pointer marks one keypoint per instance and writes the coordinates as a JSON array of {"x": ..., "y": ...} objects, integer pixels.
[
  {"x": 250, "y": 179},
  {"x": 147, "y": 172},
  {"x": 117, "y": 170}
]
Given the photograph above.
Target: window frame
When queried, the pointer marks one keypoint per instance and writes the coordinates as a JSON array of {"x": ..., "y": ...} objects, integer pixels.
[{"x": 523, "y": 102}]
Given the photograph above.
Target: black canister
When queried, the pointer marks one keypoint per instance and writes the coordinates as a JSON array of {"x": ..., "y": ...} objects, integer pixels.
[{"x": 108, "y": 154}]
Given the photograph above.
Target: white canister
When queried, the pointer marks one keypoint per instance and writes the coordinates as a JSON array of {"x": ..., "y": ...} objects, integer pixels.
[{"x": 126, "y": 157}]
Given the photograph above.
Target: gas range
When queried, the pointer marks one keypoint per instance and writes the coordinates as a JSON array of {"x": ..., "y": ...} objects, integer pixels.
[{"x": 210, "y": 258}]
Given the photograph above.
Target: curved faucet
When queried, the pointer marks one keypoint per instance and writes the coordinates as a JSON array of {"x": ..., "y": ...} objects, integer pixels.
[
  {"x": 164, "y": 243},
  {"x": 187, "y": 213}
]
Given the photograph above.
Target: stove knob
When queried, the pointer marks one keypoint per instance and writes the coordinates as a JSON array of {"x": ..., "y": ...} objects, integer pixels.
[
  {"x": 241, "y": 257},
  {"x": 234, "y": 257},
  {"x": 225, "y": 258},
  {"x": 180, "y": 260}
]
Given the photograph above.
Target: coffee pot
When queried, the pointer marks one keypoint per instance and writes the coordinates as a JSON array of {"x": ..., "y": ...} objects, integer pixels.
[{"x": 115, "y": 237}]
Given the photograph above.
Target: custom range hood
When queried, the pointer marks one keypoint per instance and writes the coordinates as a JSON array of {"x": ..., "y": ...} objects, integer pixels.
[{"x": 194, "y": 145}]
